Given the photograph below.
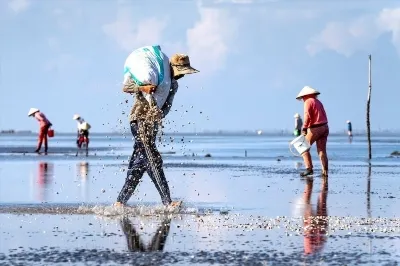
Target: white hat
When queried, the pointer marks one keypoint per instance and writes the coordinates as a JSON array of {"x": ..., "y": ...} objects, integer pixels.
[
  {"x": 348, "y": 121},
  {"x": 76, "y": 116},
  {"x": 307, "y": 90},
  {"x": 296, "y": 115},
  {"x": 32, "y": 111}
]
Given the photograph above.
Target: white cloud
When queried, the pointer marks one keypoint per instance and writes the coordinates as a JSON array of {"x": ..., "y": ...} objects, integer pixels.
[
  {"x": 207, "y": 42},
  {"x": 131, "y": 35},
  {"x": 389, "y": 20},
  {"x": 359, "y": 34},
  {"x": 19, "y": 5},
  {"x": 210, "y": 39}
]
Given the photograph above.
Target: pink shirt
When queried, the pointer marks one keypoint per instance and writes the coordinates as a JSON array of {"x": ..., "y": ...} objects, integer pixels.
[
  {"x": 43, "y": 121},
  {"x": 314, "y": 113}
]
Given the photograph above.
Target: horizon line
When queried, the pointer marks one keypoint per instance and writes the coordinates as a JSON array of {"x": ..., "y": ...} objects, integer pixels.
[{"x": 213, "y": 132}]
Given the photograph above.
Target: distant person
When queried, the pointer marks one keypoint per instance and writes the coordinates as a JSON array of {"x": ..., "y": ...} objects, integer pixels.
[
  {"x": 349, "y": 128},
  {"x": 298, "y": 124},
  {"x": 44, "y": 125},
  {"x": 145, "y": 156},
  {"x": 315, "y": 129},
  {"x": 83, "y": 132}
]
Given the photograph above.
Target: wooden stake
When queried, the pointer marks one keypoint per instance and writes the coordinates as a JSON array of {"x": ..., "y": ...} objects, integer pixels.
[{"x": 368, "y": 109}]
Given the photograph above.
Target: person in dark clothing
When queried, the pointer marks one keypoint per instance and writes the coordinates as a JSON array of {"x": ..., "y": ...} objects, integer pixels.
[
  {"x": 135, "y": 244},
  {"x": 144, "y": 124},
  {"x": 349, "y": 128},
  {"x": 298, "y": 124},
  {"x": 139, "y": 163}
]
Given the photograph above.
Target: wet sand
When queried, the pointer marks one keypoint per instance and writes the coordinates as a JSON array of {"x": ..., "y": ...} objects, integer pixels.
[{"x": 239, "y": 213}]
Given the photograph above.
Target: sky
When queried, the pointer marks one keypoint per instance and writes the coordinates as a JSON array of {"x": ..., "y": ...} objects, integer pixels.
[{"x": 67, "y": 56}]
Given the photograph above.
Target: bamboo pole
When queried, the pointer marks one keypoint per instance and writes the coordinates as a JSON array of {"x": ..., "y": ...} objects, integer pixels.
[{"x": 368, "y": 109}]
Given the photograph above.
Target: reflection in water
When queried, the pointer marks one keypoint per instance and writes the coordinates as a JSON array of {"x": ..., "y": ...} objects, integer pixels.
[
  {"x": 369, "y": 202},
  {"x": 135, "y": 244},
  {"x": 369, "y": 191},
  {"x": 297, "y": 165},
  {"x": 45, "y": 173},
  {"x": 350, "y": 139},
  {"x": 83, "y": 173},
  {"x": 315, "y": 221}
]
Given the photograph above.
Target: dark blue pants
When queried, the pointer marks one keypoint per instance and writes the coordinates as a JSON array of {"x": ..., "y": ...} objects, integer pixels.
[{"x": 140, "y": 163}]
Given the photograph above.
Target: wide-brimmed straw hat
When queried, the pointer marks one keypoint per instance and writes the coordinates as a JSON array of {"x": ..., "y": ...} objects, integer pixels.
[
  {"x": 76, "y": 116},
  {"x": 32, "y": 111},
  {"x": 348, "y": 121},
  {"x": 296, "y": 115},
  {"x": 181, "y": 65},
  {"x": 307, "y": 90}
]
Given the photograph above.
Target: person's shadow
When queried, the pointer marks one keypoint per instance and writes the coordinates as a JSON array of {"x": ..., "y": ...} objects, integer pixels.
[
  {"x": 315, "y": 221},
  {"x": 135, "y": 244}
]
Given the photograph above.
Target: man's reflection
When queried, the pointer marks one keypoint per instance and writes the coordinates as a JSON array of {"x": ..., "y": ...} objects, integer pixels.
[
  {"x": 135, "y": 244},
  {"x": 45, "y": 173},
  {"x": 315, "y": 221},
  {"x": 83, "y": 173}
]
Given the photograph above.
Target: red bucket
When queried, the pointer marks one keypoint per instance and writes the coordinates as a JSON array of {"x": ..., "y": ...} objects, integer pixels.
[{"x": 50, "y": 133}]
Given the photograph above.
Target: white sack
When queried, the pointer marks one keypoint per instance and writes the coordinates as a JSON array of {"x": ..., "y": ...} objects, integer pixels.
[{"x": 149, "y": 65}]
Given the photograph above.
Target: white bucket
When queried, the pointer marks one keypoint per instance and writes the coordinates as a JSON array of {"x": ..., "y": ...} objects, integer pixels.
[{"x": 300, "y": 144}]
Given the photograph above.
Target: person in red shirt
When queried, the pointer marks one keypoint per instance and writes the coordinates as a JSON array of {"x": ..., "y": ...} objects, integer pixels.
[
  {"x": 315, "y": 129},
  {"x": 44, "y": 125}
]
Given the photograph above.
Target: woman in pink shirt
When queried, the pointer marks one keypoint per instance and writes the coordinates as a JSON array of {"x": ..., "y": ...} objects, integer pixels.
[
  {"x": 44, "y": 125},
  {"x": 315, "y": 129}
]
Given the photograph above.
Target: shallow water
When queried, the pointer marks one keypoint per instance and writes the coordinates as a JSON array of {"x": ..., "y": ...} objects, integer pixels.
[
  {"x": 181, "y": 146},
  {"x": 56, "y": 209}
]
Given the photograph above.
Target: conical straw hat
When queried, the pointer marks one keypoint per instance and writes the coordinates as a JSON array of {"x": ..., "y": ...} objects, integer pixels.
[
  {"x": 32, "y": 111},
  {"x": 307, "y": 90}
]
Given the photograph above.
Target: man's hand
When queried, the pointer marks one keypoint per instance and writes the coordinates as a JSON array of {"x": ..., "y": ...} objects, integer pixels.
[
  {"x": 148, "y": 88},
  {"x": 304, "y": 131}
]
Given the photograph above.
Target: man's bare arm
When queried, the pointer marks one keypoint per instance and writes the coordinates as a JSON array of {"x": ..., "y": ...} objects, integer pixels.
[{"x": 131, "y": 87}]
